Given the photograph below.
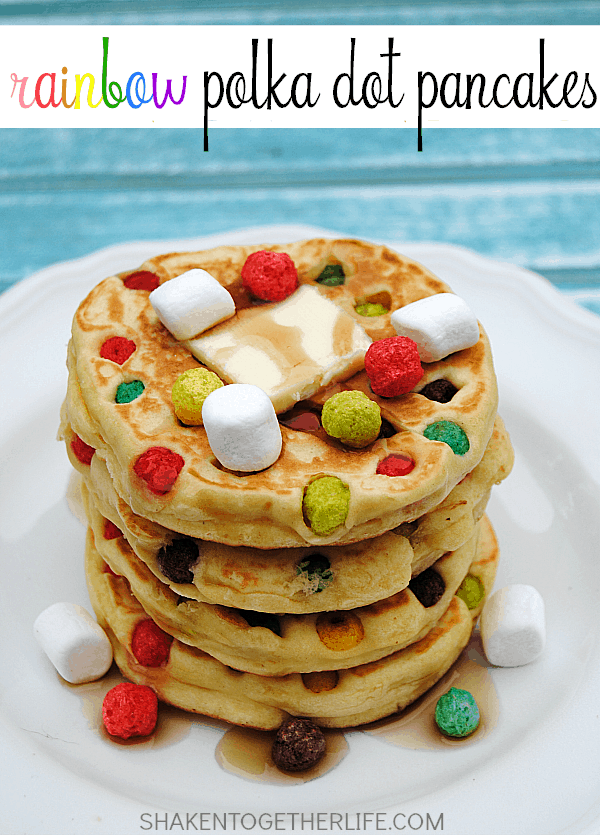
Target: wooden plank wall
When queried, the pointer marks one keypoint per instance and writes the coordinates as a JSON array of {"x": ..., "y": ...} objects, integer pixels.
[{"x": 531, "y": 197}]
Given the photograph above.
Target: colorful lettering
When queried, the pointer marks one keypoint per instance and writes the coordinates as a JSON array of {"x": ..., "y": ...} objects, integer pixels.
[{"x": 79, "y": 79}]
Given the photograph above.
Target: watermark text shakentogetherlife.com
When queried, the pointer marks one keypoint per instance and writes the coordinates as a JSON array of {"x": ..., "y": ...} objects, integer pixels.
[{"x": 291, "y": 822}]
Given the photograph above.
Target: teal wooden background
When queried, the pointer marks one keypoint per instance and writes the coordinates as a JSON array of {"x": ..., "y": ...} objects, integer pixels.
[{"x": 531, "y": 197}]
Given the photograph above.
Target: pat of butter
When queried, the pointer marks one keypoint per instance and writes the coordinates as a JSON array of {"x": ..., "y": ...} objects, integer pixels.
[{"x": 290, "y": 350}]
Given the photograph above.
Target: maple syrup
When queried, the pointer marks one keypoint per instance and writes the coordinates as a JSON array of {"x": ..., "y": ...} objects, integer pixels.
[
  {"x": 415, "y": 726},
  {"x": 247, "y": 753}
]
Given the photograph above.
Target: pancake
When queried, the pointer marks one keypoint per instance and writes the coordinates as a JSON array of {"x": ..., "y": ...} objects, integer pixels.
[
  {"x": 265, "y": 509},
  {"x": 279, "y": 644},
  {"x": 274, "y": 581},
  {"x": 193, "y": 680}
]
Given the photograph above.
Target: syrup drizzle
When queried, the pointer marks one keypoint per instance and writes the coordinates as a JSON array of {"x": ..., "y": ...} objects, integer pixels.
[
  {"x": 247, "y": 753},
  {"x": 415, "y": 727}
]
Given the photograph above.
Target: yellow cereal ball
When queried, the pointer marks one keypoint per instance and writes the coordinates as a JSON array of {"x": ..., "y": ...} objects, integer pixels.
[
  {"x": 189, "y": 392},
  {"x": 322, "y": 681},
  {"x": 471, "y": 591},
  {"x": 371, "y": 309},
  {"x": 325, "y": 504},
  {"x": 339, "y": 631},
  {"x": 352, "y": 417}
]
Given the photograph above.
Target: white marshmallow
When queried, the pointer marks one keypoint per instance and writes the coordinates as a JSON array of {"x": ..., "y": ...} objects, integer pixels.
[
  {"x": 513, "y": 626},
  {"x": 191, "y": 303},
  {"x": 73, "y": 641},
  {"x": 242, "y": 427},
  {"x": 440, "y": 325}
]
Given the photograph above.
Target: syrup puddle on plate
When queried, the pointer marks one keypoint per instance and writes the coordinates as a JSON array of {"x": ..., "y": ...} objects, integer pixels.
[
  {"x": 415, "y": 727},
  {"x": 247, "y": 753}
]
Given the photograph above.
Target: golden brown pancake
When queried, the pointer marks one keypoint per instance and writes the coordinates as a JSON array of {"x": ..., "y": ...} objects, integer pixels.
[
  {"x": 283, "y": 643},
  {"x": 281, "y": 580},
  {"x": 265, "y": 509},
  {"x": 193, "y": 680}
]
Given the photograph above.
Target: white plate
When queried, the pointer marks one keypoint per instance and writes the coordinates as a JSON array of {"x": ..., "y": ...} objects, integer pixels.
[{"x": 536, "y": 773}]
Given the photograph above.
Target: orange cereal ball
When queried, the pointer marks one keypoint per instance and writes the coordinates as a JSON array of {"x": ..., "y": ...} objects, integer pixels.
[
  {"x": 322, "y": 681},
  {"x": 339, "y": 631}
]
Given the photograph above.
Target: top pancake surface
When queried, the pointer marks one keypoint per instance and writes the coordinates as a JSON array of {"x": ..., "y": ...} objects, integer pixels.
[{"x": 264, "y": 509}]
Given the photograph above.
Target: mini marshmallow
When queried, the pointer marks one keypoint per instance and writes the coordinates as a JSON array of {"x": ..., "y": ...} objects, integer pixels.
[
  {"x": 191, "y": 303},
  {"x": 440, "y": 325},
  {"x": 513, "y": 626},
  {"x": 73, "y": 641},
  {"x": 242, "y": 427}
]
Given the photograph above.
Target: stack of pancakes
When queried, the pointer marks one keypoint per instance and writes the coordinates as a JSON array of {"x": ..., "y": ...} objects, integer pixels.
[{"x": 268, "y": 618}]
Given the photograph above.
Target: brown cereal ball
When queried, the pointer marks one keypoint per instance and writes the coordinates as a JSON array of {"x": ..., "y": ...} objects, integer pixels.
[{"x": 298, "y": 746}]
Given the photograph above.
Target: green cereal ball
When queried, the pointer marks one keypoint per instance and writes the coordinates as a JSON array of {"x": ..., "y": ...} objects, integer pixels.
[
  {"x": 471, "y": 591},
  {"x": 315, "y": 571},
  {"x": 456, "y": 713},
  {"x": 352, "y": 417},
  {"x": 325, "y": 504},
  {"x": 126, "y": 392},
  {"x": 189, "y": 392},
  {"x": 450, "y": 433},
  {"x": 371, "y": 309},
  {"x": 332, "y": 276}
]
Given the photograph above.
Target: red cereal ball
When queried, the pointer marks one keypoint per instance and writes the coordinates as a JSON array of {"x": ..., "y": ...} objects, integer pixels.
[
  {"x": 142, "y": 280},
  {"x": 130, "y": 710},
  {"x": 270, "y": 276},
  {"x": 118, "y": 349},
  {"x": 150, "y": 645},
  {"x": 395, "y": 465},
  {"x": 106, "y": 569},
  {"x": 110, "y": 530},
  {"x": 159, "y": 468},
  {"x": 393, "y": 366},
  {"x": 82, "y": 451}
]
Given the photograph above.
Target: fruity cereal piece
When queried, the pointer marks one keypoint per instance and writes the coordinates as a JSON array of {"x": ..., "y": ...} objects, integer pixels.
[
  {"x": 457, "y": 713},
  {"x": 110, "y": 530},
  {"x": 395, "y": 465},
  {"x": 316, "y": 573},
  {"x": 393, "y": 366},
  {"x": 130, "y": 710},
  {"x": 128, "y": 392},
  {"x": 118, "y": 349},
  {"x": 325, "y": 504},
  {"x": 142, "y": 280},
  {"x": 159, "y": 468},
  {"x": 177, "y": 559},
  {"x": 82, "y": 451},
  {"x": 332, "y": 276},
  {"x": 106, "y": 569},
  {"x": 371, "y": 309},
  {"x": 352, "y": 417},
  {"x": 471, "y": 591},
  {"x": 428, "y": 587},
  {"x": 270, "y": 276},
  {"x": 440, "y": 390},
  {"x": 189, "y": 392},
  {"x": 150, "y": 645},
  {"x": 449, "y": 433},
  {"x": 321, "y": 681},
  {"x": 339, "y": 631},
  {"x": 299, "y": 744}
]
